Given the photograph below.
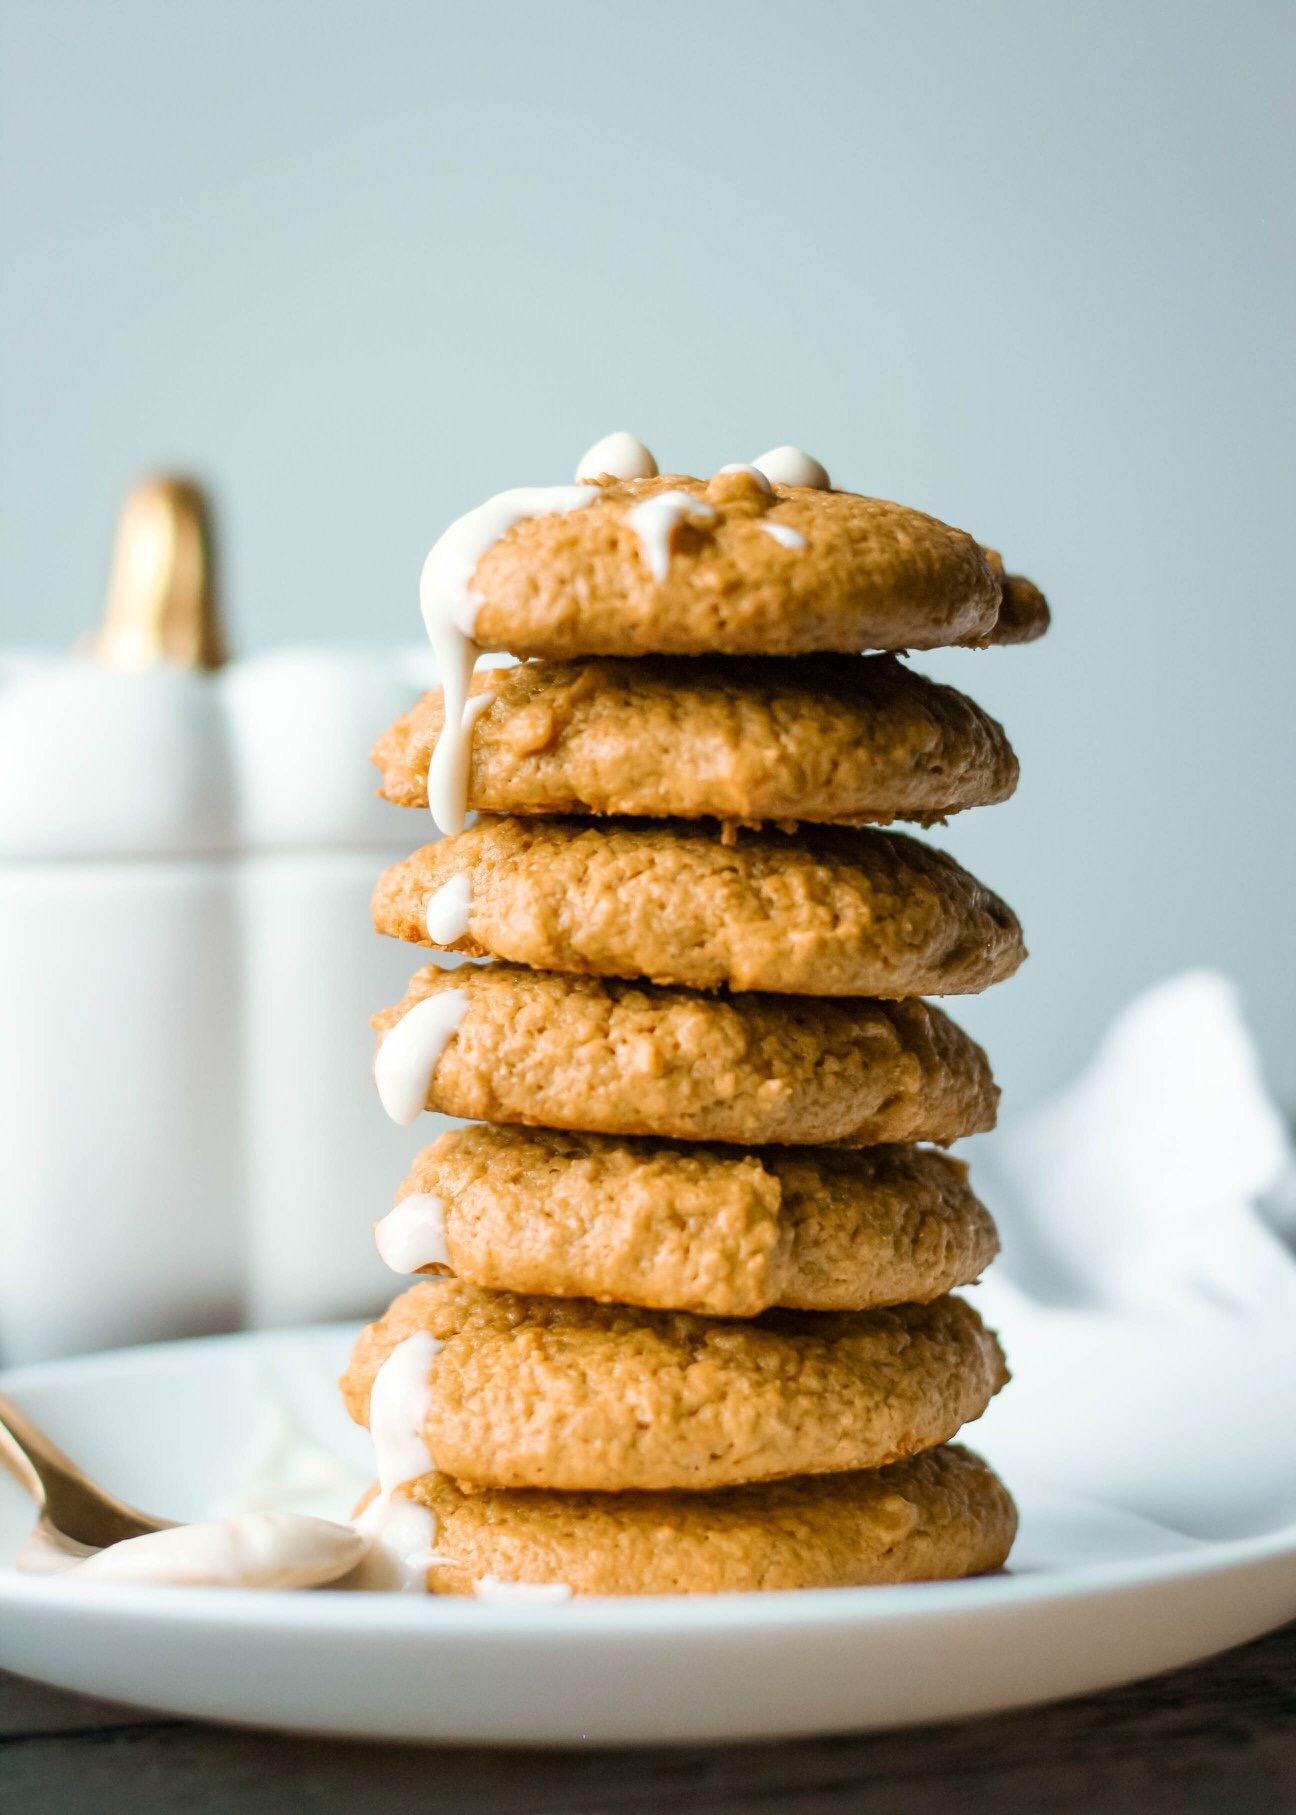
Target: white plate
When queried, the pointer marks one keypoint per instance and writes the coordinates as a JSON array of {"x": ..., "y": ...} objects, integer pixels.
[{"x": 1096, "y": 1594}]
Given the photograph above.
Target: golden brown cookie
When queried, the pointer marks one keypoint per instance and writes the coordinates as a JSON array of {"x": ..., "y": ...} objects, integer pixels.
[
  {"x": 608, "y": 1057},
  {"x": 933, "y": 1517},
  {"x": 834, "y": 912},
  {"x": 561, "y": 1393},
  {"x": 842, "y": 572},
  {"x": 681, "y": 1228},
  {"x": 1023, "y": 609},
  {"x": 831, "y": 739}
]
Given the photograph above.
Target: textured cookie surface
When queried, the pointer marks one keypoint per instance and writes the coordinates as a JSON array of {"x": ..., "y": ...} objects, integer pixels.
[
  {"x": 608, "y": 1057},
  {"x": 933, "y": 1517},
  {"x": 831, "y": 739},
  {"x": 1023, "y": 609},
  {"x": 862, "y": 573},
  {"x": 710, "y": 1230},
  {"x": 834, "y": 912},
  {"x": 552, "y": 1392}
]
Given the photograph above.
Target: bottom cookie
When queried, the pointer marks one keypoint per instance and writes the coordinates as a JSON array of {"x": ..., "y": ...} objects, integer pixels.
[{"x": 933, "y": 1517}]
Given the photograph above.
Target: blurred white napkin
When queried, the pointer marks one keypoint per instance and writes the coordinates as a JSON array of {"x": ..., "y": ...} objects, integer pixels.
[
  {"x": 1147, "y": 1293},
  {"x": 1142, "y": 1184}
]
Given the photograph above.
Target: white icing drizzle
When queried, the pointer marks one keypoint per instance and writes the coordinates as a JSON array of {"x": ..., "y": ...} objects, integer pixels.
[
  {"x": 784, "y": 533},
  {"x": 789, "y": 466},
  {"x": 447, "y": 783},
  {"x": 398, "y": 1404},
  {"x": 448, "y": 778},
  {"x": 620, "y": 455},
  {"x": 656, "y": 520},
  {"x": 520, "y": 1594},
  {"x": 403, "y": 1537},
  {"x": 48, "y": 1553},
  {"x": 412, "y": 1236},
  {"x": 740, "y": 466},
  {"x": 252, "y": 1550},
  {"x": 449, "y": 606},
  {"x": 411, "y": 1051},
  {"x": 390, "y": 1546},
  {"x": 446, "y": 914}
]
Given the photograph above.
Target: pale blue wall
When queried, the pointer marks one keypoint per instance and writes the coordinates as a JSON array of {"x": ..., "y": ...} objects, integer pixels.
[{"x": 1027, "y": 265}]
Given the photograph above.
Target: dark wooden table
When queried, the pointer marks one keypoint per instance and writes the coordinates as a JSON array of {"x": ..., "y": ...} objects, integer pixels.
[{"x": 1220, "y": 1737}]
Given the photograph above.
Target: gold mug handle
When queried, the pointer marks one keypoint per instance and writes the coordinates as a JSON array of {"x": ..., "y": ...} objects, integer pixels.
[{"x": 162, "y": 602}]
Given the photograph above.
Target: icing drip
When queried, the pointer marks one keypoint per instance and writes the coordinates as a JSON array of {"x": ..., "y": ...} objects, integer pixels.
[
  {"x": 402, "y": 1535},
  {"x": 412, "y": 1236},
  {"x": 520, "y": 1594},
  {"x": 253, "y": 1550},
  {"x": 621, "y": 456},
  {"x": 448, "y": 778},
  {"x": 446, "y": 914},
  {"x": 48, "y": 1553},
  {"x": 789, "y": 466},
  {"x": 449, "y": 606},
  {"x": 411, "y": 1051},
  {"x": 398, "y": 1404},
  {"x": 784, "y": 533},
  {"x": 739, "y": 466},
  {"x": 655, "y": 522}
]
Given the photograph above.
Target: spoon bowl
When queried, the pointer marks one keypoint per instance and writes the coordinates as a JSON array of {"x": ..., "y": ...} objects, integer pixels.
[{"x": 84, "y": 1531}]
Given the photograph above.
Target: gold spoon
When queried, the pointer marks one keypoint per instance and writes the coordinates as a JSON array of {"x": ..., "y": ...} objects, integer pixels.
[
  {"x": 72, "y": 1505},
  {"x": 80, "y": 1521}
]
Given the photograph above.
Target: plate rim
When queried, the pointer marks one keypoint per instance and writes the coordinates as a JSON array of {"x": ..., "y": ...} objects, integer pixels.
[{"x": 582, "y": 1617}]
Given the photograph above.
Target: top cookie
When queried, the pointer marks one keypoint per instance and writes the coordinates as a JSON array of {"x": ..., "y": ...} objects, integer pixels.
[{"x": 673, "y": 565}]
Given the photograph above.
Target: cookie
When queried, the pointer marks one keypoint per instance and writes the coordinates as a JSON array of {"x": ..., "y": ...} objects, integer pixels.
[
  {"x": 722, "y": 1233},
  {"x": 672, "y": 565},
  {"x": 561, "y": 1393},
  {"x": 834, "y": 912},
  {"x": 1023, "y": 610},
  {"x": 831, "y": 739},
  {"x": 497, "y": 1043},
  {"x": 933, "y": 1517}
]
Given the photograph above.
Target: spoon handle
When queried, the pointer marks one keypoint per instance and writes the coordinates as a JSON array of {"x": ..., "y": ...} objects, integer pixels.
[
  {"x": 14, "y": 1457},
  {"x": 71, "y": 1501}
]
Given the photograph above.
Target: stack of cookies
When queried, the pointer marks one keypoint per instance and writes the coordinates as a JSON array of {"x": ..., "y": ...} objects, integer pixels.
[{"x": 688, "y": 1321}]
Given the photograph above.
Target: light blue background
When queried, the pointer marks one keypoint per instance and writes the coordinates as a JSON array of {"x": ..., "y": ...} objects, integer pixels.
[{"x": 1028, "y": 266}]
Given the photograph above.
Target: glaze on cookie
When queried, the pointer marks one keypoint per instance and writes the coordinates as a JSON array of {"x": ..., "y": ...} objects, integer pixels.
[
  {"x": 934, "y": 1517},
  {"x": 684, "y": 1228},
  {"x": 834, "y": 912},
  {"x": 830, "y": 739},
  {"x": 608, "y": 1057},
  {"x": 629, "y": 574},
  {"x": 561, "y": 1393}
]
